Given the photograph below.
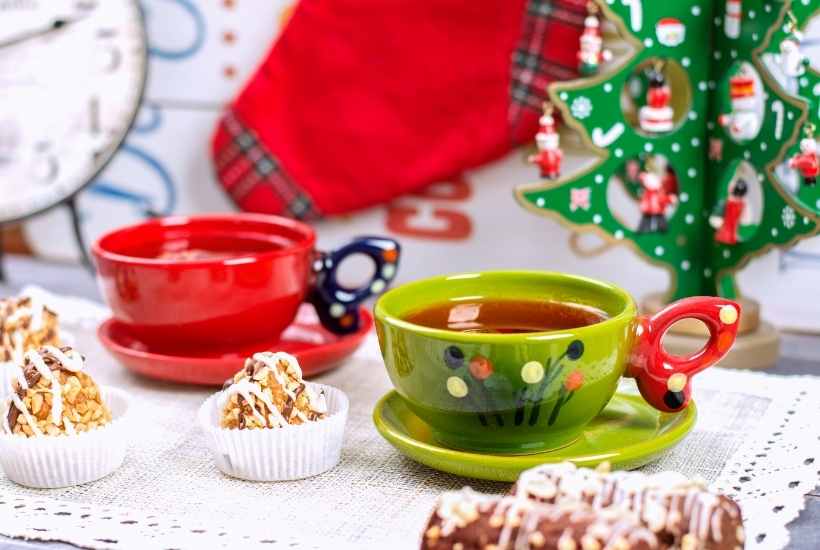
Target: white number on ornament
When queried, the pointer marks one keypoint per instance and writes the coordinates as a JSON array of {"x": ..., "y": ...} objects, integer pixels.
[
  {"x": 777, "y": 109},
  {"x": 635, "y": 13}
]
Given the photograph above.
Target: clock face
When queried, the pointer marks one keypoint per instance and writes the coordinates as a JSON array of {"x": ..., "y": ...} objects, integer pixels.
[{"x": 71, "y": 79}]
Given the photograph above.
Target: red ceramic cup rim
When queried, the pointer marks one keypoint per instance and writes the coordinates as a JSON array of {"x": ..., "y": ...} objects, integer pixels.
[{"x": 305, "y": 241}]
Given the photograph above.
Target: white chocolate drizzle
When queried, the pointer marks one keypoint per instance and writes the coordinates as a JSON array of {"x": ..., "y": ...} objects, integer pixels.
[
  {"x": 661, "y": 501},
  {"x": 71, "y": 361}
]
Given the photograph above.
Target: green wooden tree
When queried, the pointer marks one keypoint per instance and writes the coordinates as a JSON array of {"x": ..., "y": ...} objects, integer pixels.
[{"x": 705, "y": 156}]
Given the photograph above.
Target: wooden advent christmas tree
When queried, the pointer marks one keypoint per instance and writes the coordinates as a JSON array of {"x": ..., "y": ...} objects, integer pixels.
[{"x": 692, "y": 121}]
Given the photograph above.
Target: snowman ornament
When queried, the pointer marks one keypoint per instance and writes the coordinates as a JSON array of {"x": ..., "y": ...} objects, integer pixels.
[
  {"x": 547, "y": 141},
  {"x": 792, "y": 61},
  {"x": 742, "y": 122}
]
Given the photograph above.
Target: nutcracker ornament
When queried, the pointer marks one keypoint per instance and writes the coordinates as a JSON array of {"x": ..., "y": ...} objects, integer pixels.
[
  {"x": 657, "y": 115},
  {"x": 792, "y": 61},
  {"x": 806, "y": 161},
  {"x": 655, "y": 199},
  {"x": 547, "y": 140},
  {"x": 742, "y": 122},
  {"x": 731, "y": 213},
  {"x": 591, "y": 52}
]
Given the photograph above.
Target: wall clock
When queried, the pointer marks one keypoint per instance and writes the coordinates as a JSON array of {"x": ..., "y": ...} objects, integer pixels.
[{"x": 72, "y": 74}]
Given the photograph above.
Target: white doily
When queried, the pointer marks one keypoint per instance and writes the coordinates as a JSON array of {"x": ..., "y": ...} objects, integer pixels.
[{"x": 757, "y": 439}]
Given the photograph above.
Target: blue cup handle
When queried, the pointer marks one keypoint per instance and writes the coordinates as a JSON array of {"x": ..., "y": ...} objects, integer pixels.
[{"x": 338, "y": 306}]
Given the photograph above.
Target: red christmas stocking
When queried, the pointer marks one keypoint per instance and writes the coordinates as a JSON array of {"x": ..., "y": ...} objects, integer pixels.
[{"x": 362, "y": 100}]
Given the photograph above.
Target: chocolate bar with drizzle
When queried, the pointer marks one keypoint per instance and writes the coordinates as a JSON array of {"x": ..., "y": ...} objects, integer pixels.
[
  {"x": 466, "y": 520},
  {"x": 682, "y": 513}
]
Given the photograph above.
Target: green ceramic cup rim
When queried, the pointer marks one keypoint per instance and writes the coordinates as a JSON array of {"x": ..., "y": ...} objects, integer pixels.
[{"x": 628, "y": 312}]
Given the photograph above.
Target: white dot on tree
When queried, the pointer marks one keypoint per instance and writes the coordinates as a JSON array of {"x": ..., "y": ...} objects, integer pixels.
[
  {"x": 685, "y": 61},
  {"x": 619, "y": 153},
  {"x": 607, "y": 87},
  {"x": 696, "y": 10},
  {"x": 619, "y": 234},
  {"x": 596, "y": 219},
  {"x": 774, "y": 232},
  {"x": 695, "y": 142},
  {"x": 599, "y": 178},
  {"x": 685, "y": 265},
  {"x": 659, "y": 251},
  {"x": 676, "y": 147},
  {"x": 691, "y": 172},
  {"x": 540, "y": 202},
  {"x": 689, "y": 218},
  {"x": 726, "y": 253},
  {"x": 647, "y": 147}
]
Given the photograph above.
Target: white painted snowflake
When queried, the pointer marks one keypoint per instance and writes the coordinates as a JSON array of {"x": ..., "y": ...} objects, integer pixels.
[
  {"x": 581, "y": 107},
  {"x": 788, "y": 217}
]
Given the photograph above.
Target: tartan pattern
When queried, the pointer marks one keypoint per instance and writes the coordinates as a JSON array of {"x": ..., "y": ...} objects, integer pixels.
[
  {"x": 244, "y": 163},
  {"x": 534, "y": 61}
]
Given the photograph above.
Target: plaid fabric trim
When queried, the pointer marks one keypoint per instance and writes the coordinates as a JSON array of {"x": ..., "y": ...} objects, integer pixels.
[
  {"x": 244, "y": 163},
  {"x": 535, "y": 61}
]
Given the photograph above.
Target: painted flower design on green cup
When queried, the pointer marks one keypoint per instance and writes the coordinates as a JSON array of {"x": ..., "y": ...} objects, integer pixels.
[{"x": 473, "y": 380}]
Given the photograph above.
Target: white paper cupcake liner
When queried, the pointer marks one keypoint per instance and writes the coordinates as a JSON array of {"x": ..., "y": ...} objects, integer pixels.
[
  {"x": 278, "y": 454},
  {"x": 49, "y": 462}
]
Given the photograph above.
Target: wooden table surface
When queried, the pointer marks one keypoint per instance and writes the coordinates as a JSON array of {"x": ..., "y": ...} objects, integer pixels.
[{"x": 800, "y": 354}]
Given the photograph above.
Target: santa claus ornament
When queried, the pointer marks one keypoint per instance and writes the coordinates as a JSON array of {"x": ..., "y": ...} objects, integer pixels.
[
  {"x": 592, "y": 53},
  {"x": 806, "y": 161},
  {"x": 670, "y": 31},
  {"x": 730, "y": 213},
  {"x": 657, "y": 115},
  {"x": 549, "y": 155},
  {"x": 792, "y": 61},
  {"x": 655, "y": 199},
  {"x": 742, "y": 122}
]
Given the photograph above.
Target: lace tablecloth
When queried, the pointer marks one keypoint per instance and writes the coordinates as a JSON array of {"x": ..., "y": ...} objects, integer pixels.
[{"x": 757, "y": 439}]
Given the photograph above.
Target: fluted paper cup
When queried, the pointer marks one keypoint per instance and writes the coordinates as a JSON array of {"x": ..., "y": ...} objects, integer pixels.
[
  {"x": 278, "y": 454},
  {"x": 49, "y": 462}
]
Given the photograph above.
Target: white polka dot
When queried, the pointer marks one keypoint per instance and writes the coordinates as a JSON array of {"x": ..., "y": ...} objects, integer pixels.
[
  {"x": 659, "y": 251},
  {"x": 317, "y": 265},
  {"x": 790, "y": 115},
  {"x": 457, "y": 387},
  {"x": 328, "y": 263},
  {"x": 726, "y": 253},
  {"x": 689, "y": 218},
  {"x": 388, "y": 271},
  {"x": 702, "y": 86},
  {"x": 686, "y": 61},
  {"x": 619, "y": 234},
  {"x": 695, "y": 10},
  {"x": 755, "y": 36},
  {"x": 685, "y": 265},
  {"x": 532, "y": 372},
  {"x": 767, "y": 8},
  {"x": 707, "y": 272},
  {"x": 337, "y": 310},
  {"x": 728, "y": 315},
  {"x": 692, "y": 115},
  {"x": 377, "y": 286},
  {"x": 684, "y": 197},
  {"x": 752, "y": 14},
  {"x": 817, "y": 204},
  {"x": 619, "y": 153},
  {"x": 710, "y": 125},
  {"x": 691, "y": 172},
  {"x": 747, "y": 155},
  {"x": 607, "y": 87},
  {"x": 596, "y": 219},
  {"x": 676, "y": 147},
  {"x": 563, "y": 96},
  {"x": 540, "y": 202},
  {"x": 712, "y": 85},
  {"x": 718, "y": 21},
  {"x": 695, "y": 142},
  {"x": 599, "y": 178},
  {"x": 718, "y": 54},
  {"x": 733, "y": 54},
  {"x": 647, "y": 147},
  {"x": 774, "y": 232},
  {"x": 648, "y": 43}
]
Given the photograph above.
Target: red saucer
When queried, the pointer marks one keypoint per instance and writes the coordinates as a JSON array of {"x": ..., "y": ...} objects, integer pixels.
[{"x": 317, "y": 350}]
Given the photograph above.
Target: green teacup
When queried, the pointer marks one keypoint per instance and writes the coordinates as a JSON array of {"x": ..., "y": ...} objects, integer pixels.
[{"x": 535, "y": 391}]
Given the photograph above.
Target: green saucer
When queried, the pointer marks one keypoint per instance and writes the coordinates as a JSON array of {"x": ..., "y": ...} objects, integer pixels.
[{"x": 628, "y": 433}]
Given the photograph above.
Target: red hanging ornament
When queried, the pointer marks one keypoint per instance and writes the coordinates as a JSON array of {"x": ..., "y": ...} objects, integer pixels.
[
  {"x": 549, "y": 155},
  {"x": 591, "y": 52},
  {"x": 728, "y": 221},
  {"x": 655, "y": 199},
  {"x": 806, "y": 161},
  {"x": 657, "y": 115}
]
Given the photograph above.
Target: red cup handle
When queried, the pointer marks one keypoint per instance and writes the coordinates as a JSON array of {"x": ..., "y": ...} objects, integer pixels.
[{"x": 665, "y": 380}]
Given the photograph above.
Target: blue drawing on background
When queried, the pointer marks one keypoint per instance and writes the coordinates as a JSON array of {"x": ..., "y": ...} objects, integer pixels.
[
  {"x": 146, "y": 204},
  {"x": 794, "y": 259},
  {"x": 199, "y": 33}
]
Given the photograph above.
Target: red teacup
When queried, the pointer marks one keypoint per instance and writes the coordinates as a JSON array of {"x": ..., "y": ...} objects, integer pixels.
[{"x": 230, "y": 278}]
